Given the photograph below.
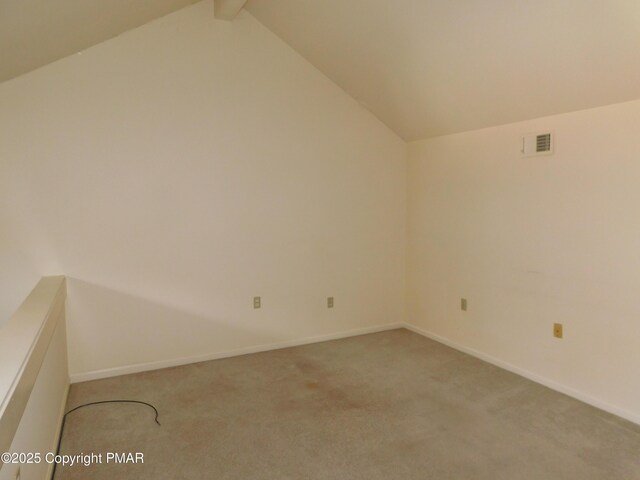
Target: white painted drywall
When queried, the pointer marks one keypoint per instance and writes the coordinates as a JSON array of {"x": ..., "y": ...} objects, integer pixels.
[
  {"x": 180, "y": 169},
  {"x": 533, "y": 241},
  {"x": 436, "y": 67},
  {"x": 35, "y": 32},
  {"x": 40, "y": 425}
]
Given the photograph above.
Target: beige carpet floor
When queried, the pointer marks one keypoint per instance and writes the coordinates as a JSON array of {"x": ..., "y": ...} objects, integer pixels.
[{"x": 385, "y": 406}]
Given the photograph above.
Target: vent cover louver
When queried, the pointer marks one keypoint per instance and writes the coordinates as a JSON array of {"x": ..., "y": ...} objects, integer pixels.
[
  {"x": 537, "y": 144},
  {"x": 543, "y": 143}
]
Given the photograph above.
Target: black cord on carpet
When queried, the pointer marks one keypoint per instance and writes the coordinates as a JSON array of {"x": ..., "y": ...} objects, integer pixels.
[{"x": 64, "y": 419}]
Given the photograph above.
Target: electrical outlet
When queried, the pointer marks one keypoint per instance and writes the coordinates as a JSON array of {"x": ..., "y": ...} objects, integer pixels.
[
  {"x": 329, "y": 302},
  {"x": 557, "y": 330},
  {"x": 257, "y": 302},
  {"x": 463, "y": 304}
]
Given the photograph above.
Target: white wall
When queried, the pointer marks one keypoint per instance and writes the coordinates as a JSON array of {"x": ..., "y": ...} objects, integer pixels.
[
  {"x": 19, "y": 272},
  {"x": 533, "y": 241},
  {"x": 176, "y": 171}
]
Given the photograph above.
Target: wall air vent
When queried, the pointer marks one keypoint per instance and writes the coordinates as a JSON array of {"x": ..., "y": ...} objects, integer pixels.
[{"x": 537, "y": 144}]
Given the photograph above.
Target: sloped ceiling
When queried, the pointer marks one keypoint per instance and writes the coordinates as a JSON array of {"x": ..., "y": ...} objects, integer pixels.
[
  {"x": 433, "y": 67},
  {"x": 36, "y": 32},
  {"x": 424, "y": 67}
]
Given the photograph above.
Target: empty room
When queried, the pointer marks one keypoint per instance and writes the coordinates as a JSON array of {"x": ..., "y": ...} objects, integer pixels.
[{"x": 319, "y": 239}]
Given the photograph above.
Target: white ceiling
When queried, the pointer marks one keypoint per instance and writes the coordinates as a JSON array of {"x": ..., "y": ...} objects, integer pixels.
[
  {"x": 424, "y": 67},
  {"x": 432, "y": 67},
  {"x": 36, "y": 32}
]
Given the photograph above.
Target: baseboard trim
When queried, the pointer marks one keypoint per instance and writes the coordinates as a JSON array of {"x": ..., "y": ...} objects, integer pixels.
[
  {"x": 157, "y": 365},
  {"x": 578, "y": 395}
]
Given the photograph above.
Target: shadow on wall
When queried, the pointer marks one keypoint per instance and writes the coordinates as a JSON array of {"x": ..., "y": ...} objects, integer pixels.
[{"x": 110, "y": 329}]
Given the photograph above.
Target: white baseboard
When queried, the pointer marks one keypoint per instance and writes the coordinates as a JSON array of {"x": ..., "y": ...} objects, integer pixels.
[
  {"x": 578, "y": 395},
  {"x": 144, "y": 367}
]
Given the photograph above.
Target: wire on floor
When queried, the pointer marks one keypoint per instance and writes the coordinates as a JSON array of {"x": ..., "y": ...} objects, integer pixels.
[{"x": 64, "y": 419}]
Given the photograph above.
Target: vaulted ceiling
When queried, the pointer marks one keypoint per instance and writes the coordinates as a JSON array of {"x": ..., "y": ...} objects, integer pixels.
[
  {"x": 423, "y": 67},
  {"x": 36, "y": 32},
  {"x": 432, "y": 67}
]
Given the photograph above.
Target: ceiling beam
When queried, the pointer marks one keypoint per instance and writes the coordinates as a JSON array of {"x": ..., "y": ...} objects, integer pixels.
[{"x": 227, "y": 9}]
